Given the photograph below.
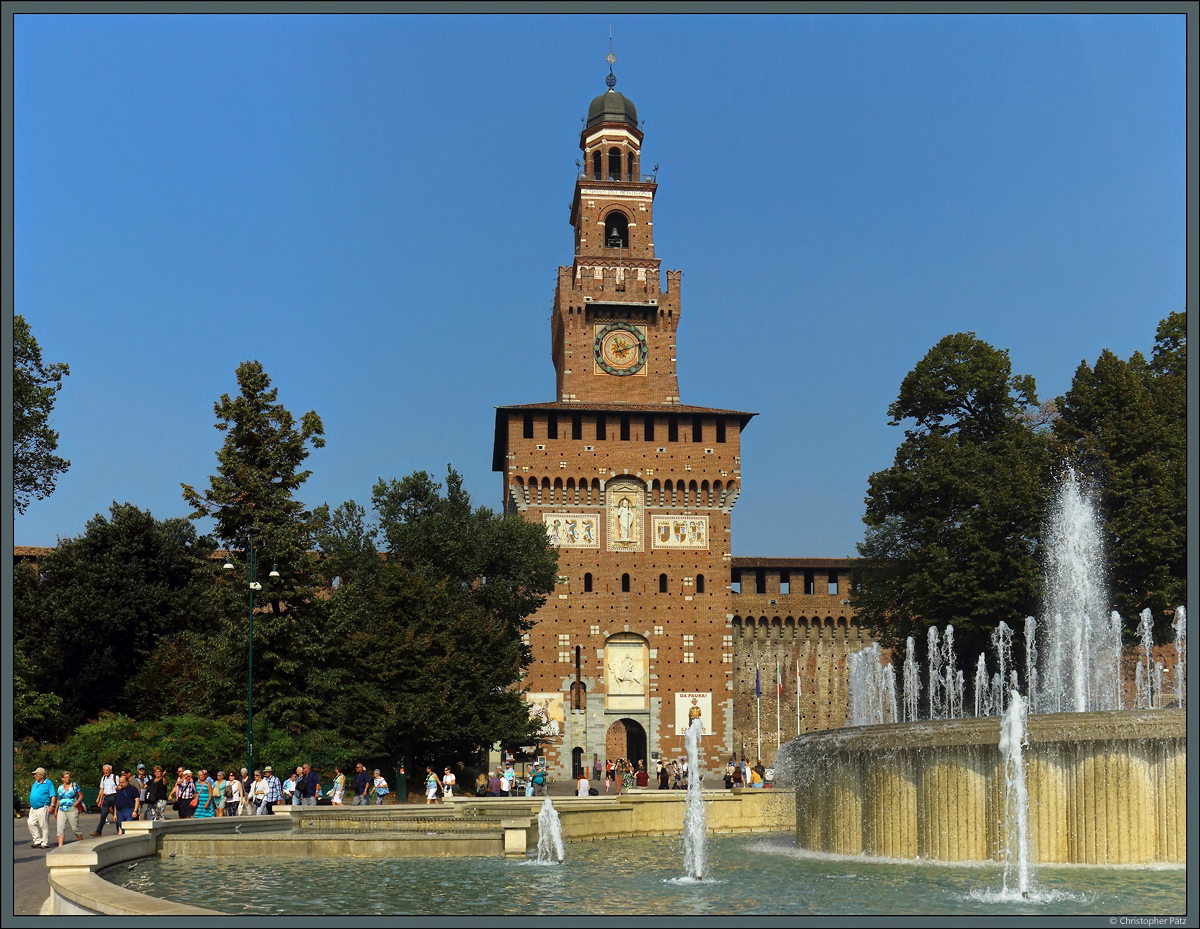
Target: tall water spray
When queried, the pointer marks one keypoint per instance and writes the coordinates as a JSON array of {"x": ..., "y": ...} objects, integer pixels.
[
  {"x": 695, "y": 825},
  {"x": 1145, "y": 668},
  {"x": 1002, "y": 643},
  {"x": 1016, "y": 797},
  {"x": 550, "y": 842},
  {"x": 1080, "y": 654},
  {"x": 983, "y": 695},
  {"x": 951, "y": 680},
  {"x": 1031, "y": 660},
  {"x": 935, "y": 674},
  {"x": 1180, "y": 668},
  {"x": 912, "y": 681},
  {"x": 871, "y": 688}
]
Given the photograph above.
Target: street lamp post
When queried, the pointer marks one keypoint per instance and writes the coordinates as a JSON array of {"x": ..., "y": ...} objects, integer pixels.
[{"x": 252, "y": 585}]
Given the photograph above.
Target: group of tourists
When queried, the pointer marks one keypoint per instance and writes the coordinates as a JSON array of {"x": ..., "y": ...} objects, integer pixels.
[
  {"x": 130, "y": 795},
  {"x": 499, "y": 783},
  {"x": 743, "y": 774}
]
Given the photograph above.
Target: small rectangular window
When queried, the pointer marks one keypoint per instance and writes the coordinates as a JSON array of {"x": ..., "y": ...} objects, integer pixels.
[
  {"x": 528, "y": 433},
  {"x": 735, "y": 584},
  {"x": 831, "y": 588},
  {"x": 697, "y": 429},
  {"x": 648, "y": 429},
  {"x": 624, "y": 427},
  {"x": 785, "y": 583},
  {"x": 720, "y": 428},
  {"x": 760, "y": 581},
  {"x": 552, "y": 426},
  {"x": 672, "y": 428},
  {"x": 600, "y": 426},
  {"x": 810, "y": 583},
  {"x": 576, "y": 426}
]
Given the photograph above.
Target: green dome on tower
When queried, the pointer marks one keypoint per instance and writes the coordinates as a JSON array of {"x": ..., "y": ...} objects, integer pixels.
[{"x": 611, "y": 107}]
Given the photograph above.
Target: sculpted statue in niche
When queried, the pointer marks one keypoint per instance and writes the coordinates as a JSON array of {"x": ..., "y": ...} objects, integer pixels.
[{"x": 625, "y": 505}]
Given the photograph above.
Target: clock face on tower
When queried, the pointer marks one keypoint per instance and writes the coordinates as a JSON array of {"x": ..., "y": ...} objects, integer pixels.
[{"x": 620, "y": 349}]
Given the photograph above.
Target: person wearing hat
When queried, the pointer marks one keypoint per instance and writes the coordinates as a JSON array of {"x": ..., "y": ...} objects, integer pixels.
[
  {"x": 274, "y": 791},
  {"x": 106, "y": 797},
  {"x": 41, "y": 802},
  {"x": 185, "y": 794},
  {"x": 140, "y": 780}
]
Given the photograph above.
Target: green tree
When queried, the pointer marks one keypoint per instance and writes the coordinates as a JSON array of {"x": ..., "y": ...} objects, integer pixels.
[
  {"x": 32, "y": 711},
  {"x": 429, "y": 638},
  {"x": 252, "y": 502},
  {"x": 35, "y": 385},
  {"x": 431, "y": 675},
  {"x": 101, "y": 605},
  {"x": 502, "y": 564},
  {"x": 1124, "y": 424},
  {"x": 953, "y": 526}
]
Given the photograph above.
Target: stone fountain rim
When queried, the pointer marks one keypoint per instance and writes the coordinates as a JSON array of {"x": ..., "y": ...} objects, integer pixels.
[{"x": 1100, "y": 726}]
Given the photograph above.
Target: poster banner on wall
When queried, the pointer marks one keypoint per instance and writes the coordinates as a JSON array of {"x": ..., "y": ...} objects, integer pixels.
[
  {"x": 690, "y": 705},
  {"x": 547, "y": 709}
]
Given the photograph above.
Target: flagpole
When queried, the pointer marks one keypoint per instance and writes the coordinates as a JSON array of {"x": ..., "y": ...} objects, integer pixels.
[
  {"x": 797, "y": 695},
  {"x": 778, "y": 700},
  {"x": 758, "y": 714}
]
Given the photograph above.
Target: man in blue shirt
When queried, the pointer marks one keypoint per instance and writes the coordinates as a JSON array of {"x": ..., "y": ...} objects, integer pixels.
[
  {"x": 362, "y": 783},
  {"x": 306, "y": 786},
  {"x": 41, "y": 798}
]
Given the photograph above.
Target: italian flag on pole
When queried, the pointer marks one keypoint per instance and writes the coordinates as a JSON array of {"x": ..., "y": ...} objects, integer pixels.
[{"x": 778, "y": 680}]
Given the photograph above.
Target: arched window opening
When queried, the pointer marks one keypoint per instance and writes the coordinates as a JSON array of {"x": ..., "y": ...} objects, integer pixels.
[
  {"x": 596, "y": 163},
  {"x": 578, "y": 696},
  {"x": 587, "y": 583},
  {"x": 614, "y": 164},
  {"x": 699, "y": 583},
  {"x": 662, "y": 583},
  {"x": 624, "y": 583},
  {"x": 616, "y": 230}
]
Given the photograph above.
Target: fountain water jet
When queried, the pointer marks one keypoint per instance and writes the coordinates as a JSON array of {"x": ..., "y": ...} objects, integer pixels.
[
  {"x": 695, "y": 826},
  {"x": 983, "y": 702},
  {"x": 935, "y": 674},
  {"x": 912, "y": 681},
  {"x": 1013, "y": 739},
  {"x": 1180, "y": 624},
  {"x": 550, "y": 843},
  {"x": 871, "y": 688},
  {"x": 1080, "y": 654},
  {"x": 1002, "y": 642}
]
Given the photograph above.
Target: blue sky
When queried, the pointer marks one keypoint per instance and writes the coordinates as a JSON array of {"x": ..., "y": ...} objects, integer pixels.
[{"x": 374, "y": 207}]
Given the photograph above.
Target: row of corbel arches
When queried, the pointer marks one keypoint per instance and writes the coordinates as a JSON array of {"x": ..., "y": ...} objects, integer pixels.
[
  {"x": 796, "y": 627},
  {"x": 542, "y": 491}
]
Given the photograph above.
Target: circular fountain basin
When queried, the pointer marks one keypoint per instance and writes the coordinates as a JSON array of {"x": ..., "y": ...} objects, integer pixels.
[{"x": 1105, "y": 788}]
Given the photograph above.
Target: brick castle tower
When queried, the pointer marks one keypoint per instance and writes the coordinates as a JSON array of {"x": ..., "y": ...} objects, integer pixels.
[{"x": 635, "y": 489}]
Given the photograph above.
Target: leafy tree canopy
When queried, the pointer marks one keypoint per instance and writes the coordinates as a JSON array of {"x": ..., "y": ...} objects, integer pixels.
[
  {"x": 258, "y": 467},
  {"x": 953, "y": 526},
  {"x": 252, "y": 501},
  {"x": 428, "y": 638},
  {"x": 35, "y": 385},
  {"x": 102, "y": 604},
  {"x": 1124, "y": 424},
  {"x": 502, "y": 563}
]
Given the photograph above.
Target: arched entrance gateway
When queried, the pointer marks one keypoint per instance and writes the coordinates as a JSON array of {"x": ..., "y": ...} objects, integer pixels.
[{"x": 626, "y": 738}]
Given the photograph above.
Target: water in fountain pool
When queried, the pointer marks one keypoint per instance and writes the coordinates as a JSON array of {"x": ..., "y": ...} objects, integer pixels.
[{"x": 745, "y": 874}]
